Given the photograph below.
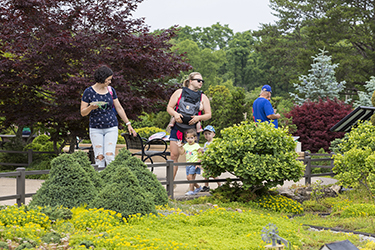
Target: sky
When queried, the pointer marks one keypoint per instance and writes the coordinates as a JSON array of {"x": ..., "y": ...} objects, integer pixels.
[{"x": 240, "y": 15}]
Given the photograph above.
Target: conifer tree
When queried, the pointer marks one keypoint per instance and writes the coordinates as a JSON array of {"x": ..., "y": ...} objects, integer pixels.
[
  {"x": 365, "y": 97},
  {"x": 320, "y": 83},
  {"x": 68, "y": 185}
]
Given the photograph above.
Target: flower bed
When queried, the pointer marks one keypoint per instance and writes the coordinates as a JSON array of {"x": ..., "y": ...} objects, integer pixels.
[{"x": 213, "y": 228}]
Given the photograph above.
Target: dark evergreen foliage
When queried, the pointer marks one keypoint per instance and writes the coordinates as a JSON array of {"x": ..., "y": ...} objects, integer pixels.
[
  {"x": 68, "y": 185},
  {"x": 313, "y": 121},
  {"x": 83, "y": 160},
  {"x": 146, "y": 178},
  {"x": 124, "y": 195},
  {"x": 106, "y": 174}
]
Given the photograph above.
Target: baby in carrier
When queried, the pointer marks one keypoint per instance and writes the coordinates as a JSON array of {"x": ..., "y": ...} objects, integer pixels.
[{"x": 198, "y": 125}]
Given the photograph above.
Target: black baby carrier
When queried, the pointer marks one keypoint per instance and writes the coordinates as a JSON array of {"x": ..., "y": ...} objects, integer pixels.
[{"x": 188, "y": 105}]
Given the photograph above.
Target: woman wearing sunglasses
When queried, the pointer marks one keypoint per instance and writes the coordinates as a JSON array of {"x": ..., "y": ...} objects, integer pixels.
[
  {"x": 184, "y": 106},
  {"x": 98, "y": 101}
]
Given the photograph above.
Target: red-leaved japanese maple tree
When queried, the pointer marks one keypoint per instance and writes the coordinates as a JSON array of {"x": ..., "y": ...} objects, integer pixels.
[
  {"x": 314, "y": 120},
  {"x": 49, "y": 50}
]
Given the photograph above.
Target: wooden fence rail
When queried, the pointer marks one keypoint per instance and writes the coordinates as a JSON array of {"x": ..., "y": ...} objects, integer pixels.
[{"x": 21, "y": 173}]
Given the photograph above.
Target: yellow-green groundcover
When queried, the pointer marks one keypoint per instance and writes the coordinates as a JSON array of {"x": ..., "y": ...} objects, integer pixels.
[{"x": 214, "y": 228}]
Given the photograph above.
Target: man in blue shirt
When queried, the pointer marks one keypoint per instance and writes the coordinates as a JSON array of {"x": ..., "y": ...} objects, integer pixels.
[{"x": 262, "y": 108}]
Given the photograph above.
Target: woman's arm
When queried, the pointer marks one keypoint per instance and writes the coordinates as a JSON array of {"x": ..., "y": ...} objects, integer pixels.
[
  {"x": 86, "y": 108},
  {"x": 121, "y": 112},
  {"x": 206, "y": 111},
  {"x": 172, "y": 104}
]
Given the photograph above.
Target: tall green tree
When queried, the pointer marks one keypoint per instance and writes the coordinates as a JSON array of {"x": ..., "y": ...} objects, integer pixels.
[
  {"x": 215, "y": 37},
  {"x": 228, "y": 106},
  {"x": 238, "y": 54},
  {"x": 365, "y": 96},
  {"x": 205, "y": 61},
  {"x": 345, "y": 28}
]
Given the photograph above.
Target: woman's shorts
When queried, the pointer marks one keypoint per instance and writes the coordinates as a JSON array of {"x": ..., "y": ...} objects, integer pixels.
[
  {"x": 177, "y": 135},
  {"x": 192, "y": 170}
]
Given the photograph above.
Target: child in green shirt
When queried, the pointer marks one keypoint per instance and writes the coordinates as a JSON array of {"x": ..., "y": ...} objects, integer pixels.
[{"x": 191, "y": 149}]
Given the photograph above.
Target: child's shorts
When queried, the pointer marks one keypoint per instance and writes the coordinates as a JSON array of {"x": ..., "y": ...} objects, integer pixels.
[{"x": 192, "y": 170}]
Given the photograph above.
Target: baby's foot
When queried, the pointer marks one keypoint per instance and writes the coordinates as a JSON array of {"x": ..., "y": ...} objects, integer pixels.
[
  {"x": 170, "y": 125},
  {"x": 199, "y": 130}
]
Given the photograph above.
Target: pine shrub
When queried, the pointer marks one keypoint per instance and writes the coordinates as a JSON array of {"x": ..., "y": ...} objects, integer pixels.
[
  {"x": 124, "y": 195},
  {"x": 146, "y": 178},
  {"x": 314, "y": 120},
  {"x": 68, "y": 185},
  {"x": 106, "y": 174},
  {"x": 83, "y": 160}
]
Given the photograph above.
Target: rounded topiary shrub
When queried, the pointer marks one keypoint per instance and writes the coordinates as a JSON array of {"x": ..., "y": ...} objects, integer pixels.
[
  {"x": 83, "y": 160},
  {"x": 124, "y": 195},
  {"x": 146, "y": 178},
  {"x": 68, "y": 185},
  {"x": 257, "y": 153},
  {"x": 355, "y": 164},
  {"x": 106, "y": 174}
]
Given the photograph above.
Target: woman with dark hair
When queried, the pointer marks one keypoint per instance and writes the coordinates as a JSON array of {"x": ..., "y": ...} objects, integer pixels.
[
  {"x": 184, "y": 106},
  {"x": 97, "y": 101}
]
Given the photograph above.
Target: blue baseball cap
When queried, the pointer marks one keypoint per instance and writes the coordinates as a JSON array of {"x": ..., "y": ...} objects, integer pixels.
[
  {"x": 209, "y": 128},
  {"x": 267, "y": 88}
]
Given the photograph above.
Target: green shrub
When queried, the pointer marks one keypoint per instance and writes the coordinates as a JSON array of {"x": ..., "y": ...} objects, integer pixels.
[
  {"x": 106, "y": 174},
  {"x": 57, "y": 213},
  {"x": 68, "y": 185},
  {"x": 3, "y": 245},
  {"x": 228, "y": 106},
  {"x": 148, "y": 131},
  {"x": 146, "y": 178},
  {"x": 361, "y": 137},
  {"x": 83, "y": 160},
  {"x": 314, "y": 206},
  {"x": 25, "y": 245},
  {"x": 144, "y": 120},
  {"x": 12, "y": 145},
  {"x": 356, "y": 165},
  {"x": 124, "y": 195},
  {"x": 162, "y": 119},
  {"x": 257, "y": 153},
  {"x": 51, "y": 237}
]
